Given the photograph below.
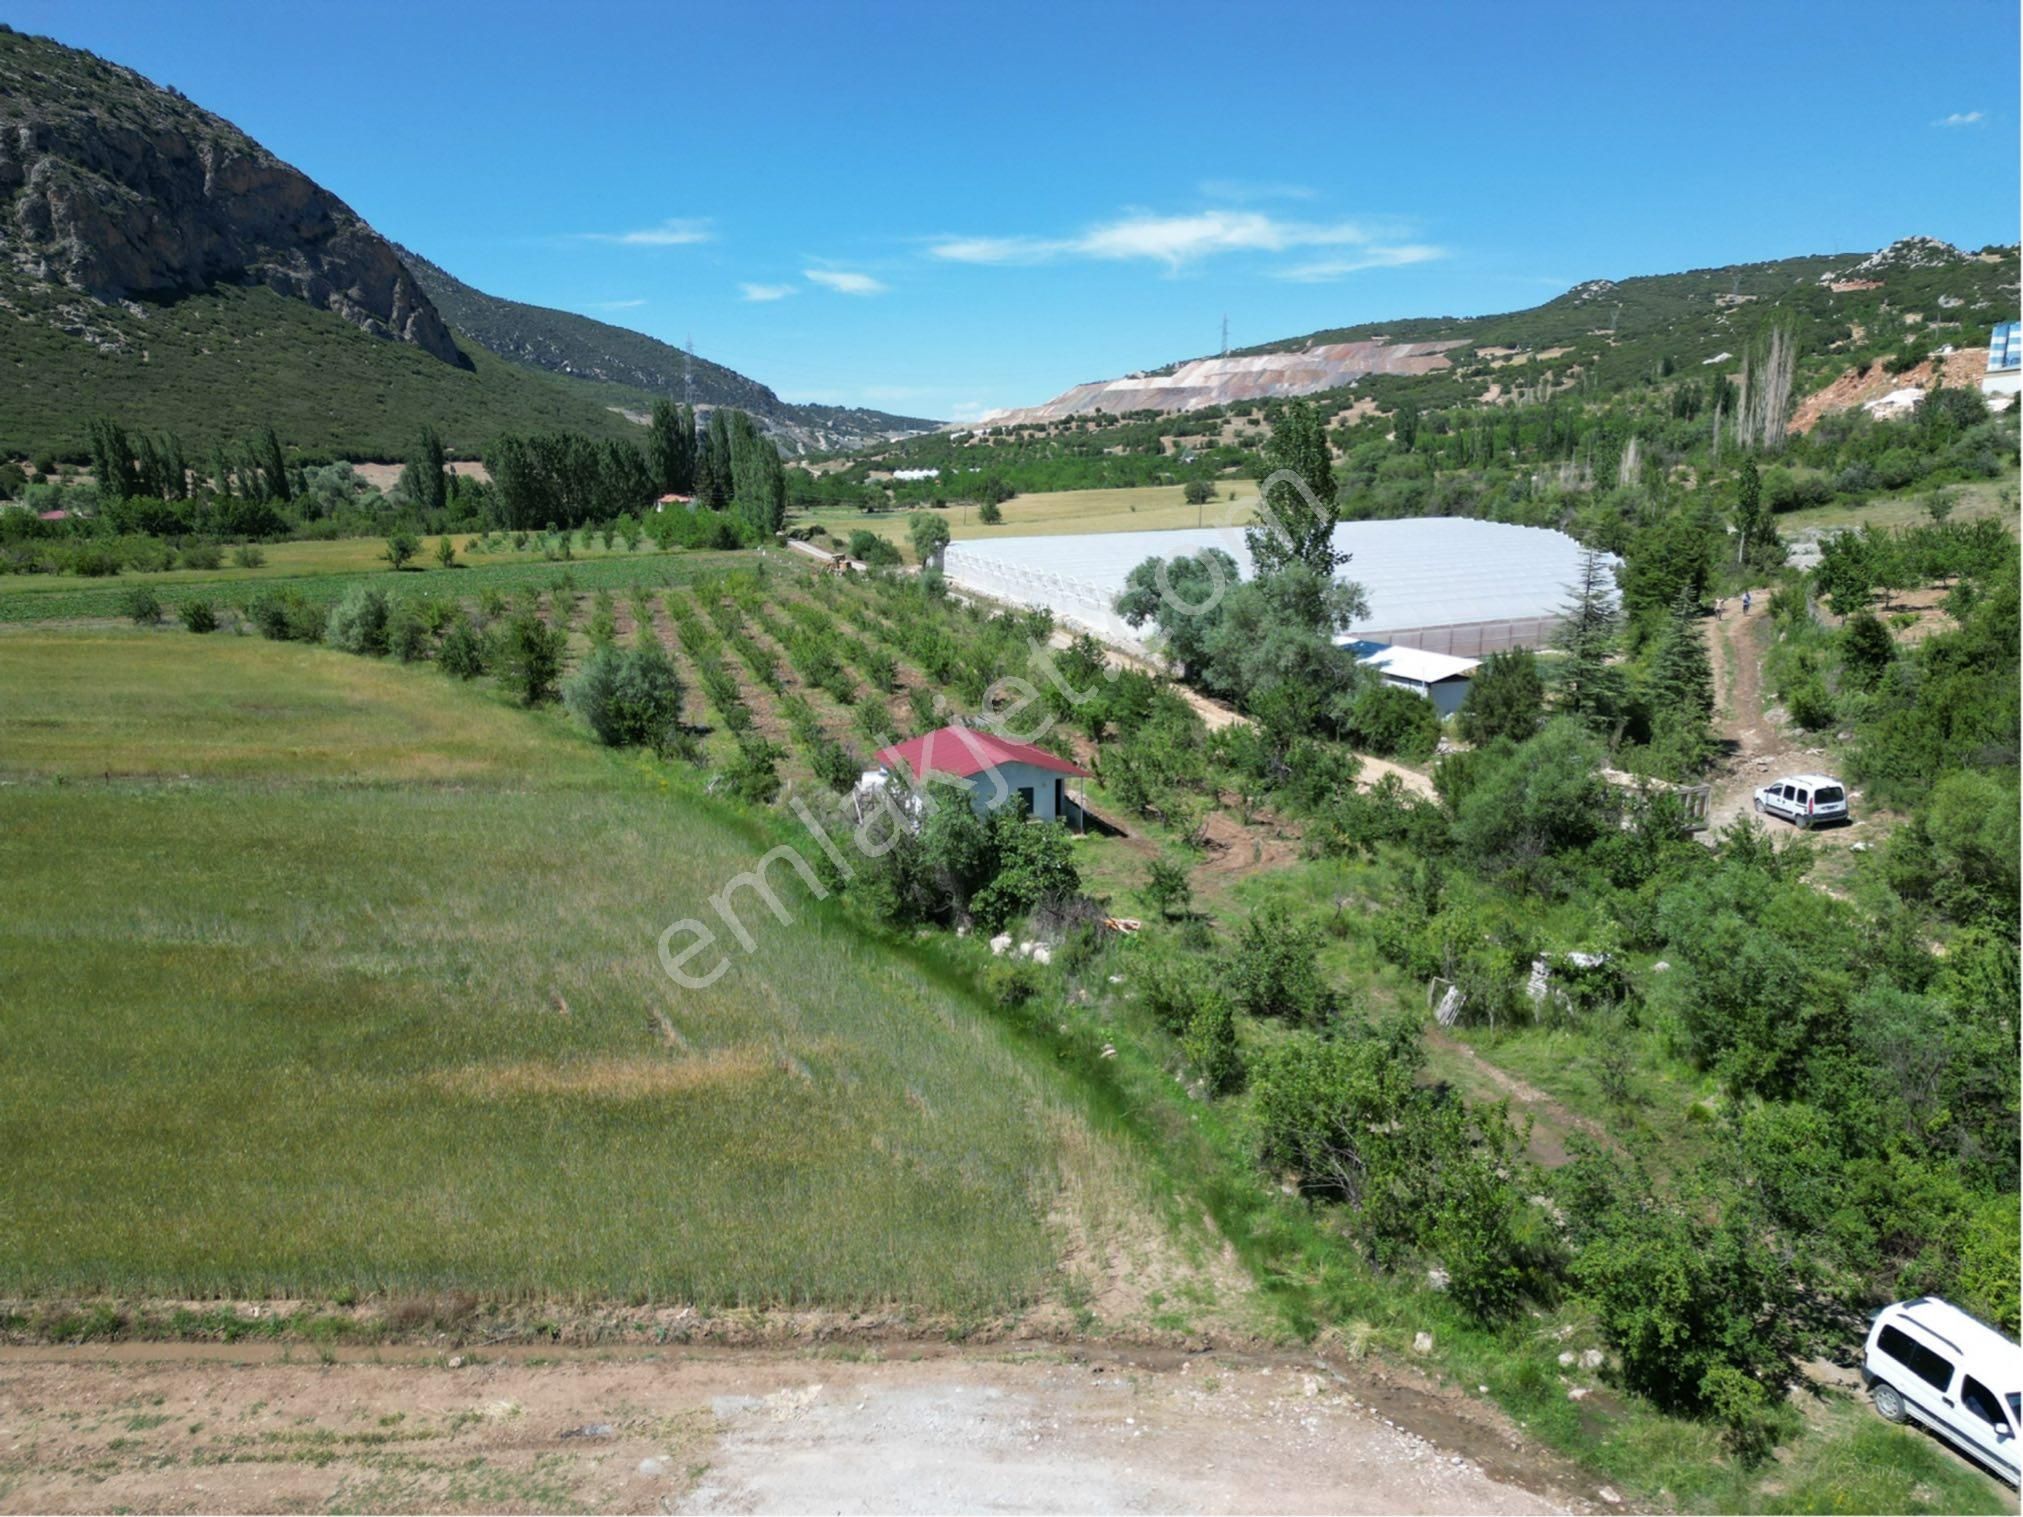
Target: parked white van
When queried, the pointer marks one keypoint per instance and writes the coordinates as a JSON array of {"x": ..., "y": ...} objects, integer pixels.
[
  {"x": 1805, "y": 800},
  {"x": 1931, "y": 1362}
]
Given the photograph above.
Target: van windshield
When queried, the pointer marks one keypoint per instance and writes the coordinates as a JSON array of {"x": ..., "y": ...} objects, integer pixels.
[{"x": 1829, "y": 795}]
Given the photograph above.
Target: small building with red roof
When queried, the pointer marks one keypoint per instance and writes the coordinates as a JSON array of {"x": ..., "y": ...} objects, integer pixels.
[{"x": 995, "y": 770}]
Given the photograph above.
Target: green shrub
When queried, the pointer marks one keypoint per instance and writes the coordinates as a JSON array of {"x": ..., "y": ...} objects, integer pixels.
[
  {"x": 249, "y": 556},
  {"x": 754, "y": 775},
  {"x": 463, "y": 653},
  {"x": 406, "y": 635},
  {"x": 1392, "y": 722},
  {"x": 94, "y": 560},
  {"x": 1276, "y": 970},
  {"x": 198, "y": 615},
  {"x": 869, "y": 548},
  {"x": 628, "y": 699},
  {"x": 529, "y": 658},
  {"x": 142, "y": 606},
  {"x": 200, "y": 555},
  {"x": 1211, "y": 1047},
  {"x": 357, "y": 623}
]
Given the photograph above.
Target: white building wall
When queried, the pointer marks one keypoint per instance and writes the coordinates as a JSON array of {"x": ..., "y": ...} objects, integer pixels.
[{"x": 997, "y": 787}]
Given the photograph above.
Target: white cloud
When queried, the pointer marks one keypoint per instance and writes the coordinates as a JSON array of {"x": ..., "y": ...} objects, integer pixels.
[
  {"x": 1323, "y": 269},
  {"x": 844, "y": 282},
  {"x": 672, "y": 233},
  {"x": 1960, "y": 118},
  {"x": 614, "y": 305},
  {"x": 768, "y": 291},
  {"x": 1172, "y": 240}
]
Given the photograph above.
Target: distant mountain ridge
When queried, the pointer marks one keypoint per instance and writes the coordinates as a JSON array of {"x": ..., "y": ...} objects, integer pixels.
[
  {"x": 562, "y": 342},
  {"x": 159, "y": 265},
  {"x": 1610, "y": 331}
]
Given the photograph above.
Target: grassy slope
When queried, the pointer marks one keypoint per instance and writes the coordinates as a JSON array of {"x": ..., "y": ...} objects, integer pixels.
[
  {"x": 322, "y": 572},
  {"x": 348, "y": 978},
  {"x": 221, "y": 365},
  {"x": 1146, "y": 508}
]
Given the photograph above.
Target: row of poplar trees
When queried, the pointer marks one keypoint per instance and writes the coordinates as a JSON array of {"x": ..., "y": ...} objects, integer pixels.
[
  {"x": 731, "y": 462},
  {"x": 135, "y": 466}
]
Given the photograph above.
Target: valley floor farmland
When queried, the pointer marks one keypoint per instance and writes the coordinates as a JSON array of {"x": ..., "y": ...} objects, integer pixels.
[{"x": 328, "y": 977}]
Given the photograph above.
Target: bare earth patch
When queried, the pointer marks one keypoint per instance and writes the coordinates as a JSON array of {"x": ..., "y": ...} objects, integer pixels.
[{"x": 758, "y": 1431}]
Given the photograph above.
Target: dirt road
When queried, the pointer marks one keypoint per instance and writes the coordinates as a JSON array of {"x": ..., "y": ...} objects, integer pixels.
[
  {"x": 180, "y": 1428},
  {"x": 1756, "y": 748}
]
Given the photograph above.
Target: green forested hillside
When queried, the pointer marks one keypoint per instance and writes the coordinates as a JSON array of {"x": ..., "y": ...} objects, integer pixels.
[{"x": 218, "y": 366}]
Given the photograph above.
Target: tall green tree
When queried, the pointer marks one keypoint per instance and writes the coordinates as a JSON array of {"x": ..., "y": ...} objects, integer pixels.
[
  {"x": 112, "y": 460},
  {"x": 670, "y": 448},
  {"x": 273, "y": 465},
  {"x": 1300, "y": 512},
  {"x": 425, "y": 480},
  {"x": 1506, "y": 698},
  {"x": 1682, "y": 690},
  {"x": 713, "y": 463},
  {"x": 1590, "y": 689},
  {"x": 929, "y": 534}
]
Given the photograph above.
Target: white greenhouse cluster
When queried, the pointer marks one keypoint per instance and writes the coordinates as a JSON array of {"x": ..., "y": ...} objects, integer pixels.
[{"x": 1443, "y": 584}]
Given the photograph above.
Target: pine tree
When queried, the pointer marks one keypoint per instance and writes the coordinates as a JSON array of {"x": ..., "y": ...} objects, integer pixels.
[
  {"x": 1682, "y": 690},
  {"x": 1300, "y": 523},
  {"x": 1589, "y": 688}
]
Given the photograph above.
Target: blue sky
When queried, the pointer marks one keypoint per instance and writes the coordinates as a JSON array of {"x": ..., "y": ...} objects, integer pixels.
[{"x": 938, "y": 209}]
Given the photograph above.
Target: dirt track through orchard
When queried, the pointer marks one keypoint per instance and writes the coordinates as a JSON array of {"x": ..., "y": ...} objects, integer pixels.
[
  {"x": 928, "y": 1428},
  {"x": 1755, "y": 747}
]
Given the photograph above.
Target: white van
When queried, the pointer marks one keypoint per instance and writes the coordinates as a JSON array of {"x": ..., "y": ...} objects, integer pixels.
[
  {"x": 1804, "y": 800},
  {"x": 1931, "y": 1362}
]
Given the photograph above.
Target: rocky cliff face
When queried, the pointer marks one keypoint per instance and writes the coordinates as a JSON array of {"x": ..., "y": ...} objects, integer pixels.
[{"x": 117, "y": 188}]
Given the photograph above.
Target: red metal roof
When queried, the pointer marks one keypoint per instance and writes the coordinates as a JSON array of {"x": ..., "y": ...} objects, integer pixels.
[
  {"x": 53, "y": 516},
  {"x": 964, "y": 752}
]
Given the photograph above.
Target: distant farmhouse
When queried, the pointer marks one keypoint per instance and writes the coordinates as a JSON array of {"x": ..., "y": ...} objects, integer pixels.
[
  {"x": 1440, "y": 678},
  {"x": 2005, "y": 360},
  {"x": 994, "y": 770}
]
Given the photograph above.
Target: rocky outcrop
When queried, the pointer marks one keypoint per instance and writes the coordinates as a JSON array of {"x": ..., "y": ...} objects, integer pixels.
[
  {"x": 117, "y": 188},
  {"x": 1232, "y": 380}
]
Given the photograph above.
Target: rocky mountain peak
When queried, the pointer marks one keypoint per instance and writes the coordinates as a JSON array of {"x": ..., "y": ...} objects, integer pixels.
[{"x": 117, "y": 188}]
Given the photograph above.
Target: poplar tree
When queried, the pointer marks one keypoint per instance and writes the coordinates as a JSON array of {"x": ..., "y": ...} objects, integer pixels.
[
  {"x": 1298, "y": 529},
  {"x": 425, "y": 480},
  {"x": 273, "y": 465},
  {"x": 670, "y": 449}
]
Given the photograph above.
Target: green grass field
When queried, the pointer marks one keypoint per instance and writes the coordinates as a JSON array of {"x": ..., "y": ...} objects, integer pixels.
[
  {"x": 1970, "y": 503},
  {"x": 323, "y": 571},
  {"x": 324, "y": 974},
  {"x": 1143, "y": 508}
]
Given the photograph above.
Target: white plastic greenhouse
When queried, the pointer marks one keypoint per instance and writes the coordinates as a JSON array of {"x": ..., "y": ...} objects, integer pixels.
[{"x": 1445, "y": 584}]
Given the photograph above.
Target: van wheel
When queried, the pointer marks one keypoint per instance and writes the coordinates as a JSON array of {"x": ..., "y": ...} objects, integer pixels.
[{"x": 1889, "y": 1403}]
